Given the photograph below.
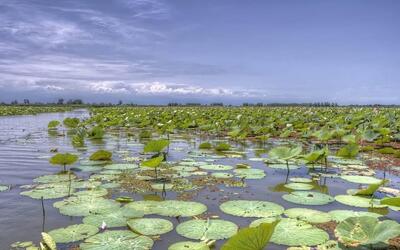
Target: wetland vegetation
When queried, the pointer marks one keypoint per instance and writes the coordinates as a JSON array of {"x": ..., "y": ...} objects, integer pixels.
[{"x": 175, "y": 178}]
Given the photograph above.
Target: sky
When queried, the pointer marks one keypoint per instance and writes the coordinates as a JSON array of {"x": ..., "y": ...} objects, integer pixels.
[{"x": 231, "y": 51}]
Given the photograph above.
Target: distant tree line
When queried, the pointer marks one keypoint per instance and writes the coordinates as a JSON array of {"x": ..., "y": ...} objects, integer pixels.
[{"x": 80, "y": 102}]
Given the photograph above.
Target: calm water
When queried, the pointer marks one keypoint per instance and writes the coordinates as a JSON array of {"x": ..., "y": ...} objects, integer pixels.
[{"x": 25, "y": 147}]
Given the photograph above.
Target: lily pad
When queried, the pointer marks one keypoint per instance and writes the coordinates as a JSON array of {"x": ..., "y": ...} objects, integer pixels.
[
  {"x": 251, "y": 173},
  {"x": 48, "y": 193},
  {"x": 216, "y": 167},
  {"x": 116, "y": 218},
  {"x": 189, "y": 245},
  {"x": 341, "y": 215},
  {"x": 222, "y": 175},
  {"x": 308, "y": 198},
  {"x": 121, "y": 166},
  {"x": 171, "y": 208},
  {"x": 54, "y": 178},
  {"x": 86, "y": 205},
  {"x": 73, "y": 233},
  {"x": 361, "y": 179},
  {"x": 293, "y": 232},
  {"x": 3, "y": 188},
  {"x": 150, "y": 226},
  {"x": 358, "y": 201},
  {"x": 211, "y": 229},
  {"x": 299, "y": 186},
  {"x": 366, "y": 230},
  {"x": 300, "y": 180},
  {"x": 308, "y": 215},
  {"x": 249, "y": 208},
  {"x": 117, "y": 240}
]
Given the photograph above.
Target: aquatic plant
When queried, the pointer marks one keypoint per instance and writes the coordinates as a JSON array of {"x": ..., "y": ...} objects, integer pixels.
[
  {"x": 53, "y": 124},
  {"x": 96, "y": 133},
  {"x": 63, "y": 159},
  {"x": 252, "y": 238},
  {"x": 71, "y": 122},
  {"x": 367, "y": 231},
  {"x": 101, "y": 155},
  {"x": 284, "y": 153}
]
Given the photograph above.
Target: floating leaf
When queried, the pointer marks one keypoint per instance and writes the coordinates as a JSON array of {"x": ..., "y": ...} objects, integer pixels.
[
  {"x": 341, "y": 215},
  {"x": 73, "y": 233},
  {"x": 117, "y": 218},
  {"x": 357, "y": 201},
  {"x": 86, "y": 205},
  {"x": 189, "y": 245},
  {"x": 117, "y": 240},
  {"x": 121, "y": 166},
  {"x": 366, "y": 230},
  {"x": 251, "y": 173},
  {"x": 308, "y": 215},
  {"x": 150, "y": 226},
  {"x": 299, "y": 186},
  {"x": 216, "y": 167},
  {"x": 292, "y": 232},
  {"x": 361, "y": 179},
  {"x": 308, "y": 198},
  {"x": 3, "y": 188},
  {"x": 172, "y": 208},
  {"x": 248, "y": 208},
  {"x": 211, "y": 229}
]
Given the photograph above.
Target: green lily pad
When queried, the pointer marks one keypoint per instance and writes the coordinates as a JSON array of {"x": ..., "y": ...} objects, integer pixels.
[
  {"x": 86, "y": 205},
  {"x": 308, "y": 215},
  {"x": 162, "y": 186},
  {"x": 366, "y": 230},
  {"x": 249, "y": 208},
  {"x": 189, "y": 245},
  {"x": 54, "y": 178},
  {"x": 117, "y": 240},
  {"x": 308, "y": 198},
  {"x": 222, "y": 175},
  {"x": 299, "y": 186},
  {"x": 96, "y": 192},
  {"x": 361, "y": 179},
  {"x": 48, "y": 193},
  {"x": 341, "y": 215},
  {"x": 184, "y": 168},
  {"x": 358, "y": 201},
  {"x": 216, "y": 167},
  {"x": 251, "y": 173},
  {"x": 211, "y": 229},
  {"x": 150, "y": 226},
  {"x": 73, "y": 233},
  {"x": 121, "y": 166},
  {"x": 293, "y": 232},
  {"x": 171, "y": 208},
  {"x": 3, "y": 188},
  {"x": 300, "y": 180},
  {"x": 116, "y": 218}
]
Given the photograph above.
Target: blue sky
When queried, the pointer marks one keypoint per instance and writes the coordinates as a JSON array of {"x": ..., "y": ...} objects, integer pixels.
[{"x": 234, "y": 51}]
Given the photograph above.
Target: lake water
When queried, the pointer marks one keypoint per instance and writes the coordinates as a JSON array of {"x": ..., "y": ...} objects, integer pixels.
[{"x": 25, "y": 146}]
